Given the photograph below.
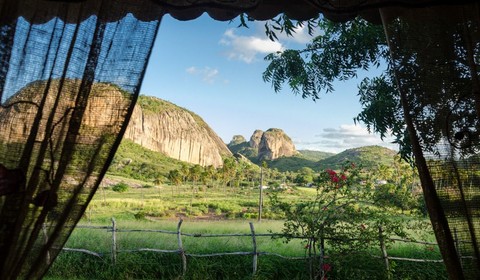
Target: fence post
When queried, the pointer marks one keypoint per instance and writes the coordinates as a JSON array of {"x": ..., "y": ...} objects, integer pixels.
[
  {"x": 114, "y": 241},
  {"x": 180, "y": 248},
  {"x": 457, "y": 245},
  {"x": 384, "y": 250},
  {"x": 45, "y": 237},
  {"x": 255, "y": 254}
]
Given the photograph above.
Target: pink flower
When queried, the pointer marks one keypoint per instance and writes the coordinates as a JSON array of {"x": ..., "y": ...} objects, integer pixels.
[
  {"x": 343, "y": 177},
  {"x": 331, "y": 172},
  {"x": 335, "y": 179},
  {"x": 327, "y": 267}
]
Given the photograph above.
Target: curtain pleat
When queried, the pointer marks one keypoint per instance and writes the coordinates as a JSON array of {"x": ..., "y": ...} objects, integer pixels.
[
  {"x": 436, "y": 54},
  {"x": 68, "y": 86}
]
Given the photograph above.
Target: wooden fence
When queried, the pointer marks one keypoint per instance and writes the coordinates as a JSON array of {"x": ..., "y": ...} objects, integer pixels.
[{"x": 254, "y": 252}]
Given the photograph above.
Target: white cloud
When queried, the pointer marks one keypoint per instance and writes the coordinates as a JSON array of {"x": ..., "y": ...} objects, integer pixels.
[
  {"x": 246, "y": 48},
  {"x": 345, "y": 137},
  {"x": 300, "y": 35},
  {"x": 207, "y": 74}
]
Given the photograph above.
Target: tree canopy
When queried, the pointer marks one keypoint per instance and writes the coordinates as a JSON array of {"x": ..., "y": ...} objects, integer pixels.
[{"x": 342, "y": 49}]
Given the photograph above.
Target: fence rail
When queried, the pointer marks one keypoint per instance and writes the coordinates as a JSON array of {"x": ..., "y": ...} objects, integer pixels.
[{"x": 254, "y": 253}]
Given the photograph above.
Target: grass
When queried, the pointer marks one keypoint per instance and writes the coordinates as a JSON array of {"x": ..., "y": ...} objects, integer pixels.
[{"x": 216, "y": 210}]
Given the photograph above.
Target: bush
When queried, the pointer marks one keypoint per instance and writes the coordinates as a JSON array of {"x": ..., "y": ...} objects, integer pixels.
[{"x": 120, "y": 187}]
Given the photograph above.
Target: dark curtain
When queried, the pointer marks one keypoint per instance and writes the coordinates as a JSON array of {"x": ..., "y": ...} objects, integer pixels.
[
  {"x": 436, "y": 55},
  {"x": 69, "y": 77},
  {"x": 70, "y": 72}
]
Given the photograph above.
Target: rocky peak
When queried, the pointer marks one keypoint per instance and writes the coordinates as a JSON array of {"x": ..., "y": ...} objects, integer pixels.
[
  {"x": 275, "y": 144},
  {"x": 268, "y": 145},
  {"x": 236, "y": 140},
  {"x": 256, "y": 138}
]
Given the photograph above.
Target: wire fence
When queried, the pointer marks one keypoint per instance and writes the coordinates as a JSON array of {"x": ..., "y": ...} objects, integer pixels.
[{"x": 254, "y": 252}]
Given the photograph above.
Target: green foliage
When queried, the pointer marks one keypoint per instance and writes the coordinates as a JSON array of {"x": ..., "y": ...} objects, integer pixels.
[
  {"x": 136, "y": 162},
  {"x": 150, "y": 104},
  {"x": 245, "y": 150},
  {"x": 335, "y": 55},
  {"x": 338, "y": 54},
  {"x": 120, "y": 187},
  {"x": 341, "y": 214}
]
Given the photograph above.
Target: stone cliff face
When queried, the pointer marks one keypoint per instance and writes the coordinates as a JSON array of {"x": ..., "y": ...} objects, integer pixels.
[
  {"x": 163, "y": 127},
  {"x": 268, "y": 145},
  {"x": 274, "y": 144},
  {"x": 104, "y": 113},
  {"x": 256, "y": 138},
  {"x": 155, "y": 124}
]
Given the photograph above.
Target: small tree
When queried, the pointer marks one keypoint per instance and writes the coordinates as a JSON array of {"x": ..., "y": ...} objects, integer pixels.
[
  {"x": 341, "y": 213},
  {"x": 120, "y": 187}
]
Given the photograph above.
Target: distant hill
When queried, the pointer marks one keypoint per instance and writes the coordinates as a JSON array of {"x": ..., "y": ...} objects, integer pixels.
[
  {"x": 305, "y": 158},
  {"x": 368, "y": 156},
  {"x": 314, "y": 155}
]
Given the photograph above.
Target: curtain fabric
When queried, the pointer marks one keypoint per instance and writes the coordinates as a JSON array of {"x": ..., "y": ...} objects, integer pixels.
[
  {"x": 68, "y": 84},
  {"x": 436, "y": 55},
  {"x": 70, "y": 72}
]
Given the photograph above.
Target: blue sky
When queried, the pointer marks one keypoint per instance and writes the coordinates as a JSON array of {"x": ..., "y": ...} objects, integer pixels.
[{"x": 215, "y": 69}]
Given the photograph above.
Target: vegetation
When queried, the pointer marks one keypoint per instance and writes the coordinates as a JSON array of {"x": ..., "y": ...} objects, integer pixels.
[
  {"x": 137, "y": 162},
  {"x": 228, "y": 197},
  {"x": 369, "y": 157},
  {"x": 120, "y": 187},
  {"x": 315, "y": 155},
  {"x": 227, "y": 208},
  {"x": 150, "y": 104},
  {"x": 406, "y": 100}
]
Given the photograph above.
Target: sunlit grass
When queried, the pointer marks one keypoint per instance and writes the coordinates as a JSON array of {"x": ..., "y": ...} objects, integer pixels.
[{"x": 217, "y": 210}]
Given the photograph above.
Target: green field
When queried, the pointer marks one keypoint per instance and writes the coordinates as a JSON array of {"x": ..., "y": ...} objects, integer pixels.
[{"x": 213, "y": 210}]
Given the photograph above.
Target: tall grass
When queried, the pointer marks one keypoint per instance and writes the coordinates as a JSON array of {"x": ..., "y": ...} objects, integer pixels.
[{"x": 215, "y": 210}]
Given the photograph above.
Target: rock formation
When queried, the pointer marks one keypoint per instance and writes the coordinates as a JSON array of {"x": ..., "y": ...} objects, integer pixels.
[
  {"x": 237, "y": 139},
  {"x": 256, "y": 138},
  {"x": 268, "y": 145},
  {"x": 155, "y": 124},
  {"x": 163, "y": 127},
  {"x": 274, "y": 144}
]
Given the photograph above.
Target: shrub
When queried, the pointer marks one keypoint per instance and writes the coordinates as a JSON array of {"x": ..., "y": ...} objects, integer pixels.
[{"x": 120, "y": 187}]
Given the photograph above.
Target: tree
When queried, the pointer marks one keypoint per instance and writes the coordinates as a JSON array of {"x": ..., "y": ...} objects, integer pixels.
[
  {"x": 342, "y": 212},
  {"x": 440, "y": 109},
  {"x": 338, "y": 54},
  {"x": 195, "y": 173},
  {"x": 427, "y": 97},
  {"x": 175, "y": 177},
  {"x": 304, "y": 176},
  {"x": 228, "y": 170}
]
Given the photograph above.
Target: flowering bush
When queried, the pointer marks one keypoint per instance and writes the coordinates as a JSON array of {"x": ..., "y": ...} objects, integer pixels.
[{"x": 342, "y": 215}]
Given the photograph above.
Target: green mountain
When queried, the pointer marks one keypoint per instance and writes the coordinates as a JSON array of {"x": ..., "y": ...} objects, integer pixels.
[
  {"x": 305, "y": 158},
  {"x": 368, "y": 157},
  {"x": 315, "y": 155}
]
